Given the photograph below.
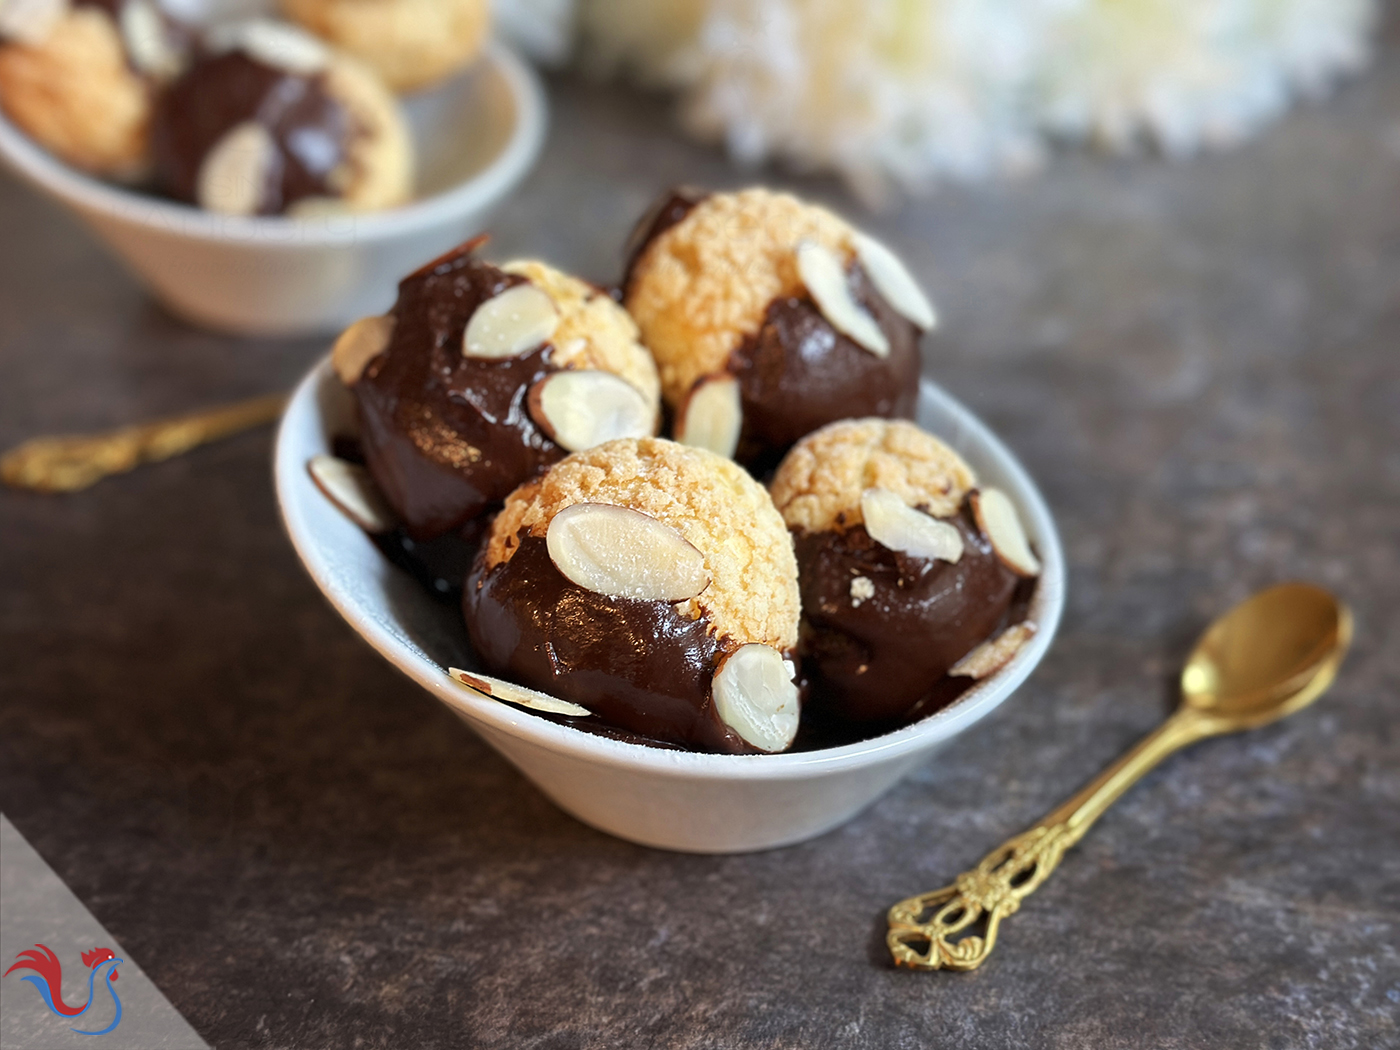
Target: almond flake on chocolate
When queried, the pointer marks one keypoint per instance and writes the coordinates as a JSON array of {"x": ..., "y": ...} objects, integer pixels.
[
  {"x": 497, "y": 689},
  {"x": 233, "y": 177},
  {"x": 30, "y": 21},
  {"x": 360, "y": 344},
  {"x": 624, "y": 553},
  {"x": 996, "y": 516},
  {"x": 755, "y": 696},
  {"x": 520, "y": 319},
  {"x": 991, "y": 656},
  {"x": 712, "y": 416},
  {"x": 893, "y": 281},
  {"x": 143, "y": 32},
  {"x": 275, "y": 44},
  {"x": 894, "y": 524},
  {"x": 583, "y": 408},
  {"x": 350, "y": 487},
  {"x": 825, "y": 277}
]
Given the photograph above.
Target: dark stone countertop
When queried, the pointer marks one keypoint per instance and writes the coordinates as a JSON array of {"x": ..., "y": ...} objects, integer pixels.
[{"x": 1200, "y": 364}]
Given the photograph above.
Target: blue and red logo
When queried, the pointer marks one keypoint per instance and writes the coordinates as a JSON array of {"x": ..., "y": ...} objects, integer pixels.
[{"x": 49, "y": 981}]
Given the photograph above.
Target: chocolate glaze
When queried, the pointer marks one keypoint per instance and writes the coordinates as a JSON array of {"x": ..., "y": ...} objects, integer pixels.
[
  {"x": 313, "y": 129},
  {"x": 440, "y": 564},
  {"x": 798, "y": 373},
  {"x": 639, "y": 666},
  {"x": 446, "y": 436},
  {"x": 875, "y": 661}
]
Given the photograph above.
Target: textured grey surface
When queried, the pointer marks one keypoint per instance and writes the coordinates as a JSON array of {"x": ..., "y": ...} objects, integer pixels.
[{"x": 1201, "y": 366}]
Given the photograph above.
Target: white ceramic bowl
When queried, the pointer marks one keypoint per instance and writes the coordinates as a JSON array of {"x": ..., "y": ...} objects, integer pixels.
[
  {"x": 475, "y": 138},
  {"x": 670, "y": 799}
]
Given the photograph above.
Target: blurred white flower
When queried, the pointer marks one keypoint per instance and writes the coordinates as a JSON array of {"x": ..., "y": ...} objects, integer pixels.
[
  {"x": 1186, "y": 74},
  {"x": 883, "y": 89},
  {"x": 913, "y": 90}
]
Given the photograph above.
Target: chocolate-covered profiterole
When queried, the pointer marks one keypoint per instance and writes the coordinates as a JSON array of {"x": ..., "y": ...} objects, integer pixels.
[
  {"x": 769, "y": 318},
  {"x": 459, "y": 391},
  {"x": 900, "y": 578},
  {"x": 270, "y": 121},
  {"x": 80, "y": 77},
  {"x": 652, "y": 584}
]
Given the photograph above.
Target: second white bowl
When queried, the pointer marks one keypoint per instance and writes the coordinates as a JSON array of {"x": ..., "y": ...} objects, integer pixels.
[
  {"x": 671, "y": 799},
  {"x": 475, "y": 138}
]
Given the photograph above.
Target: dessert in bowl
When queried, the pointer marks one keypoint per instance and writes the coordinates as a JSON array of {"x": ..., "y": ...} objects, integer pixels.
[
  {"x": 673, "y": 799},
  {"x": 677, "y": 649}
]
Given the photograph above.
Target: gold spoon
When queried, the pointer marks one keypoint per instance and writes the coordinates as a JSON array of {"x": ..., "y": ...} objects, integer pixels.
[
  {"x": 1269, "y": 656},
  {"x": 71, "y": 462}
]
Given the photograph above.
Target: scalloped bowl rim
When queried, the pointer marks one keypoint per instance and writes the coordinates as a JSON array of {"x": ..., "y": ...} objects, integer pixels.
[{"x": 290, "y": 458}]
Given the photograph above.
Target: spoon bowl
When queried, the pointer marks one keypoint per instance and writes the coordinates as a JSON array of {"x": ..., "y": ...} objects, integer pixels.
[{"x": 1271, "y": 655}]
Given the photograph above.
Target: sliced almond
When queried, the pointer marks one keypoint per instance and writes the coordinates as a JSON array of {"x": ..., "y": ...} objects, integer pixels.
[
  {"x": 991, "y": 656},
  {"x": 147, "y": 42},
  {"x": 894, "y": 524},
  {"x": 30, "y": 21},
  {"x": 583, "y": 408},
  {"x": 624, "y": 553},
  {"x": 497, "y": 689},
  {"x": 997, "y": 517},
  {"x": 755, "y": 696},
  {"x": 894, "y": 281},
  {"x": 825, "y": 277},
  {"x": 360, "y": 344},
  {"x": 520, "y": 319},
  {"x": 712, "y": 416},
  {"x": 350, "y": 487},
  {"x": 234, "y": 175},
  {"x": 276, "y": 44}
]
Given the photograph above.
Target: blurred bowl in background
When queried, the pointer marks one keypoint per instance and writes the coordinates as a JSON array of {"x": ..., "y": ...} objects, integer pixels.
[{"x": 475, "y": 138}]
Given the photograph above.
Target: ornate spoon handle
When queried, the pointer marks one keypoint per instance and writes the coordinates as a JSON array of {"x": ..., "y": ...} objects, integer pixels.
[
  {"x": 71, "y": 462},
  {"x": 955, "y": 928}
]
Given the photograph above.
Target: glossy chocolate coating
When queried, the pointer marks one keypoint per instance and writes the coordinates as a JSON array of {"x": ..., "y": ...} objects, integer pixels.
[
  {"x": 446, "y": 436},
  {"x": 313, "y": 130},
  {"x": 637, "y": 665},
  {"x": 876, "y": 660},
  {"x": 798, "y": 373}
]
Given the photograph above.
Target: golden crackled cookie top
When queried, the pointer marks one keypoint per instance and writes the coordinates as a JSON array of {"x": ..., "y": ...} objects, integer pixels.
[
  {"x": 705, "y": 283},
  {"x": 714, "y": 504},
  {"x": 411, "y": 44},
  {"x": 819, "y": 484}
]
